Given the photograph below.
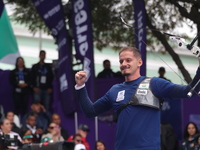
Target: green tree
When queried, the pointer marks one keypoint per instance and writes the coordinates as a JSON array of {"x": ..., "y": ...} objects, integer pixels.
[{"x": 108, "y": 30}]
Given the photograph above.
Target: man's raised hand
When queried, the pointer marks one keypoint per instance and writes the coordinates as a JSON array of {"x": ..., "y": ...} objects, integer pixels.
[{"x": 80, "y": 78}]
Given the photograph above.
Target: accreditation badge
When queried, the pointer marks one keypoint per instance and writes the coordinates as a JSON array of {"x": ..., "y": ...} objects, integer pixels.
[{"x": 43, "y": 79}]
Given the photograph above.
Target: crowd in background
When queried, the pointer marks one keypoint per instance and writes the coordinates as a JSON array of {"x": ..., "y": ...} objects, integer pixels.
[{"x": 37, "y": 123}]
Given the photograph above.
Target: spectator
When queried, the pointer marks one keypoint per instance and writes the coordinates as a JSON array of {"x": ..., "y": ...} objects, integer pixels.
[
  {"x": 54, "y": 133},
  {"x": 6, "y": 126},
  {"x": 30, "y": 127},
  {"x": 42, "y": 77},
  {"x": 10, "y": 117},
  {"x": 83, "y": 131},
  {"x": 20, "y": 79},
  {"x": 77, "y": 139},
  {"x": 107, "y": 71},
  {"x": 79, "y": 147},
  {"x": 100, "y": 145},
  {"x": 168, "y": 137},
  {"x": 197, "y": 142},
  {"x": 162, "y": 72},
  {"x": 190, "y": 131},
  {"x": 56, "y": 119},
  {"x": 28, "y": 139},
  {"x": 43, "y": 116}
]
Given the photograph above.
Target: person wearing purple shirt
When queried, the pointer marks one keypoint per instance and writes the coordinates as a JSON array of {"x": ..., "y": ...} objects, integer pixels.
[{"x": 137, "y": 102}]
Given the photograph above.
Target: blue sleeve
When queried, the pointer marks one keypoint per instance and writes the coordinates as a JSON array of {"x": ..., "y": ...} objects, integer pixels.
[
  {"x": 91, "y": 109},
  {"x": 165, "y": 89}
]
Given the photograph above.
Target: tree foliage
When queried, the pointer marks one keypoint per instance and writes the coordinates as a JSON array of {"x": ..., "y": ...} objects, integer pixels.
[{"x": 108, "y": 30}]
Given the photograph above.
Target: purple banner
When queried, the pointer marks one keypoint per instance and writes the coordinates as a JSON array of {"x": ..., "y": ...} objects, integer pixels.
[
  {"x": 172, "y": 107},
  {"x": 1, "y": 7},
  {"x": 140, "y": 30},
  {"x": 52, "y": 13},
  {"x": 82, "y": 33}
]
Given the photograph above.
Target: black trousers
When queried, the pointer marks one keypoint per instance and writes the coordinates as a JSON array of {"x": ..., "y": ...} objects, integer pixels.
[{"x": 20, "y": 103}]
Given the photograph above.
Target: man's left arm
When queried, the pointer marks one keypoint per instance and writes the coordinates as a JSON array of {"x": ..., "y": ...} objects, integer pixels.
[{"x": 166, "y": 89}]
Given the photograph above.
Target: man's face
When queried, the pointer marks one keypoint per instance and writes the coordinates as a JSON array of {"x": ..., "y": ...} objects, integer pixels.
[
  {"x": 10, "y": 116},
  {"x": 36, "y": 108},
  {"x": 31, "y": 120},
  {"x": 78, "y": 140},
  {"x": 107, "y": 65},
  {"x": 28, "y": 140},
  {"x": 42, "y": 56},
  {"x": 56, "y": 119},
  {"x": 129, "y": 64}
]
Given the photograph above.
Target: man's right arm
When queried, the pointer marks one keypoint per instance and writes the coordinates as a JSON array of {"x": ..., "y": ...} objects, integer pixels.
[{"x": 89, "y": 108}]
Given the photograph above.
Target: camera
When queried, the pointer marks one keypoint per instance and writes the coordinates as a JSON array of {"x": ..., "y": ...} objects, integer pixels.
[
  {"x": 12, "y": 142},
  {"x": 9, "y": 140}
]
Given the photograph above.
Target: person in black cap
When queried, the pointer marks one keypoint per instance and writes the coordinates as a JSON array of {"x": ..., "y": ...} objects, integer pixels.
[
  {"x": 161, "y": 72},
  {"x": 83, "y": 130}
]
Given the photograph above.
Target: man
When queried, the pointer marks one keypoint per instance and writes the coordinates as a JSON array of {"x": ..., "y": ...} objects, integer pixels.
[
  {"x": 30, "y": 128},
  {"x": 107, "y": 71},
  {"x": 42, "y": 77},
  {"x": 77, "y": 139},
  {"x": 56, "y": 119},
  {"x": 83, "y": 131},
  {"x": 28, "y": 139},
  {"x": 136, "y": 102},
  {"x": 161, "y": 72},
  {"x": 42, "y": 115}
]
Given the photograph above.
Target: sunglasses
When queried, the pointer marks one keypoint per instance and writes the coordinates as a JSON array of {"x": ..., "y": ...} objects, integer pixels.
[
  {"x": 52, "y": 127},
  {"x": 79, "y": 141}
]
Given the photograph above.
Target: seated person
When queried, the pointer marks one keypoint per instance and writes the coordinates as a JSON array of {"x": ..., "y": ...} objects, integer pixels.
[
  {"x": 43, "y": 116},
  {"x": 54, "y": 133},
  {"x": 83, "y": 130},
  {"x": 28, "y": 139},
  {"x": 77, "y": 139},
  {"x": 6, "y": 126},
  {"x": 30, "y": 127},
  {"x": 57, "y": 120},
  {"x": 10, "y": 116},
  {"x": 190, "y": 132},
  {"x": 100, "y": 145}
]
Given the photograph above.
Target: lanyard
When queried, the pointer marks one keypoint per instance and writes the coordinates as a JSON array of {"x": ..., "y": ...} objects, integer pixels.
[
  {"x": 43, "y": 70},
  {"x": 20, "y": 75}
]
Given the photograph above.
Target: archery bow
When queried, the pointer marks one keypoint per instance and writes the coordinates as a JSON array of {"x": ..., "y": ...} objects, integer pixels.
[
  {"x": 195, "y": 51},
  {"x": 181, "y": 43}
]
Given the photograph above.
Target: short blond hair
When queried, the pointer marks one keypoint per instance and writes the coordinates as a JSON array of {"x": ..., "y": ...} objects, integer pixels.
[{"x": 135, "y": 51}]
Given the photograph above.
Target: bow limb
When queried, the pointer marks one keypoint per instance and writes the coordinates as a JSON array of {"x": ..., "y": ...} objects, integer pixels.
[{"x": 169, "y": 49}]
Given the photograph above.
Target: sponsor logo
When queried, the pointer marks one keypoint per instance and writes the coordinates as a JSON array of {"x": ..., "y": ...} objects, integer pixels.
[
  {"x": 120, "y": 96},
  {"x": 142, "y": 92}
]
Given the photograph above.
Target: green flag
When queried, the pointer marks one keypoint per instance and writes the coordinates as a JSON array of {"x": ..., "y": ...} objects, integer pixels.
[{"x": 8, "y": 44}]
